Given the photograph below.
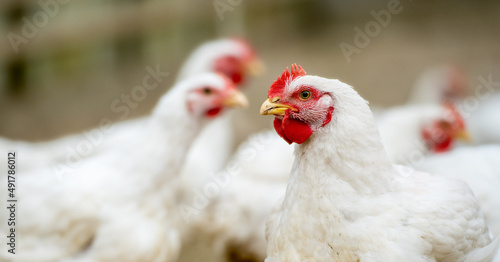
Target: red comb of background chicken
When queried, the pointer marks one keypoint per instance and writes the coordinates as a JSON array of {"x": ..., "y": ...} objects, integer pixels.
[
  {"x": 249, "y": 51},
  {"x": 453, "y": 116},
  {"x": 279, "y": 85}
]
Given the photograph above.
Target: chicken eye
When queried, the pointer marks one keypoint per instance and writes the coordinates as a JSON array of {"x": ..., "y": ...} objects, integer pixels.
[
  {"x": 305, "y": 95},
  {"x": 207, "y": 91}
]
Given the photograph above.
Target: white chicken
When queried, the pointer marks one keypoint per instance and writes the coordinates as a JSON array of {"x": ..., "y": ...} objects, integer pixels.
[
  {"x": 481, "y": 109},
  {"x": 403, "y": 132},
  {"x": 264, "y": 162},
  {"x": 232, "y": 57},
  {"x": 120, "y": 205},
  {"x": 209, "y": 154},
  {"x": 236, "y": 59},
  {"x": 345, "y": 201},
  {"x": 412, "y": 132}
]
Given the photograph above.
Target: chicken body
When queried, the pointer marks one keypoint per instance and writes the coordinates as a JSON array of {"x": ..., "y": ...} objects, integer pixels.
[
  {"x": 409, "y": 223},
  {"x": 479, "y": 167}
]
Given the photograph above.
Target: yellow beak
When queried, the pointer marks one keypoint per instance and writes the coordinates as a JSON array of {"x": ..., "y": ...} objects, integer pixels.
[
  {"x": 255, "y": 67},
  {"x": 463, "y": 135},
  {"x": 235, "y": 99},
  {"x": 270, "y": 108}
]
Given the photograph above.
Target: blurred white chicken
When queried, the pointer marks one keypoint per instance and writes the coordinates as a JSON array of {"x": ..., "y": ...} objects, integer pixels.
[
  {"x": 254, "y": 180},
  {"x": 479, "y": 167},
  {"x": 345, "y": 201},
  {"x": 412, "y": 132},
  {"x": 422, "y": 136},
  {"x": 236, "y": 59},
  {"x": 120, "y": 205},
  {"x": 233, "y": 57},
  {"x": 209, "y": 154},
  {"x": 481, "y": 109}
]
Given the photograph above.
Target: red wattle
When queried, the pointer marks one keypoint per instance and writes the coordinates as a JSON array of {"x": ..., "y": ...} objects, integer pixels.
[
  {"x": 443, "y": 146},
  {"x": 437, "y": 143},
  {"x": 292, "y": 130},
  {"x": 237, "y": 77},
  {"x": 213, "y": 112},
  {"x": 278, "y": 126},
  {"x": 295, "y": 130}
]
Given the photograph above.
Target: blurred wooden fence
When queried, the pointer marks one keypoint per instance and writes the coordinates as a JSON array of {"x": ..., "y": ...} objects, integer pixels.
[{"x": 37, "y": 33}]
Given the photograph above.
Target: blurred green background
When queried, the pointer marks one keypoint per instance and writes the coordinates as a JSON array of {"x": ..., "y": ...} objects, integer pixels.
[{"x": 65, "y": 75}]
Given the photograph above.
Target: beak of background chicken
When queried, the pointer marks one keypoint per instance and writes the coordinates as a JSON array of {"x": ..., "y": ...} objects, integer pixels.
[
  {"x": 255, "y": 67},
  {"x": 270, "y": 108},
  {"x": 463, "y": 135},
  {"x": 235, "y": 99}
]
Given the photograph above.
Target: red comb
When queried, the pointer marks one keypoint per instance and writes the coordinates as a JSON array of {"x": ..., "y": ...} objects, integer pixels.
[
  {"x": 279, "y": 85},
  {"x": 249, "y": 50}
]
